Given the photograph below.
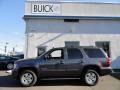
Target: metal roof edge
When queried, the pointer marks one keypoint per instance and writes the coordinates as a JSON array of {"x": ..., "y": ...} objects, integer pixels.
[{"x": 69, "y": 17}]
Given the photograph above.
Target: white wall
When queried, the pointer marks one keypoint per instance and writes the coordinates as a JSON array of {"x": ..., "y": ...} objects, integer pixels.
[{"x": 83, "y": 27}]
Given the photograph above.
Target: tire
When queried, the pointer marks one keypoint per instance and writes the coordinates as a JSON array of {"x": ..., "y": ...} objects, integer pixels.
[
  {"x": 28, "y": 78},
  {"x": 10, "y": 66},
  {"x": 90, "y": 77}
]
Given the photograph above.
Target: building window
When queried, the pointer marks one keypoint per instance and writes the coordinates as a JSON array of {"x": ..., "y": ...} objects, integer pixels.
[
  {"x": 105, "y": 45},
  {"x": 71, "y": 20},
  {"x": 72, "y": 43},
  {"x": 41, "y": 50}
]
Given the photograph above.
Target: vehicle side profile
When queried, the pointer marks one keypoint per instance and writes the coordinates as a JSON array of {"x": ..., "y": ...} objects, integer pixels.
[
  {"x": 84, "y": 62},
  {"x": 7, "y": 62}
]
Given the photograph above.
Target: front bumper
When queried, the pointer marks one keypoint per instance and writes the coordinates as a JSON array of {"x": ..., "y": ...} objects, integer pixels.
[
  {"x": 13, "y": 73},
  {"x": 9, "y": 72}
]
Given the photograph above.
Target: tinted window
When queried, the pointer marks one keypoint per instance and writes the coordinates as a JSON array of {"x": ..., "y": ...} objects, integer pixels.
[
  {"x": 4, "y": 57},
  {"x": 74, "y": 53},
  {"x": 94, "y": 53}
]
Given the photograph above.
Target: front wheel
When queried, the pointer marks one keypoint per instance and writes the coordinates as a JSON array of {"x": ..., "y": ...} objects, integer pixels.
[
  {"x": 91, "y": 77},
  {"x": 28, "y": 78},
  {"x": 10, "y": 66}
]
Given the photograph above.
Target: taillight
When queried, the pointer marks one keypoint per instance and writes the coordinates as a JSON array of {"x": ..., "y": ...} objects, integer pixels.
[{"x": 107, "y": 62}]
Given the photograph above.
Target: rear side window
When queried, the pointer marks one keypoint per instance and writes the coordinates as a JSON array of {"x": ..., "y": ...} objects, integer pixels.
[
  {"x": 94, "y": 53},
  {"x": 74, "y": 53}
]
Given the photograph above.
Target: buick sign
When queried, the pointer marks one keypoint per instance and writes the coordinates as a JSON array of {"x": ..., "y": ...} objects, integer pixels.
[{"x": 46, "y": 9}]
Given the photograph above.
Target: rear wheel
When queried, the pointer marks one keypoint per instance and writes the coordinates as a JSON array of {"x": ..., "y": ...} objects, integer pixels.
[
  {"x": 91, "y": 77},
  {"x": 28, "y": 78}
]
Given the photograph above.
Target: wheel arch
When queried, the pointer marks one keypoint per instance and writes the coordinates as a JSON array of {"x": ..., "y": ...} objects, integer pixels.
[
  {"x": 93, "y": 67},
  {"x": 27, "y": 68}
]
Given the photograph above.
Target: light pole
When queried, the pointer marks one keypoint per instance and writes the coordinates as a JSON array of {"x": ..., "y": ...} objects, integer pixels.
[
  {"x": 6, "y": 47},
  {"x": 14, "y": 49}
]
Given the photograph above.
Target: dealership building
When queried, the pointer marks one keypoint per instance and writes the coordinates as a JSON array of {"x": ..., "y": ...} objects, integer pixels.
[{"x": 58, "y": 23}]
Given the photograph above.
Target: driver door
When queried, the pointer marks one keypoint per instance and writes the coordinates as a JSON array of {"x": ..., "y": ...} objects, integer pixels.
[{"x": 52, "y": 60}]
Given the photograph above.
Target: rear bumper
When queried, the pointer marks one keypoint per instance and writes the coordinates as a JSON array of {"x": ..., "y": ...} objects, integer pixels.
[{"x": 106, "y": 71}]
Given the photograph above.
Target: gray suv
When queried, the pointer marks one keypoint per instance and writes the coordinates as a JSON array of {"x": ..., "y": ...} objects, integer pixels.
[{"x": 84, "y": 62}]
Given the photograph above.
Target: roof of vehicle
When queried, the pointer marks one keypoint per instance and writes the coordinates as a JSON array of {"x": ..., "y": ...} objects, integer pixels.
[{"x": 75, "y": 47}]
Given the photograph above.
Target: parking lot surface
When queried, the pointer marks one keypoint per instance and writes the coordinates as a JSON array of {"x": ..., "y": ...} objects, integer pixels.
[{"x": 110, "y": 82}]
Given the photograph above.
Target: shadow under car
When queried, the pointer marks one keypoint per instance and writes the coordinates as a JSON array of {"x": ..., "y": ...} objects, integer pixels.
[{"x": 8, "y": 81}]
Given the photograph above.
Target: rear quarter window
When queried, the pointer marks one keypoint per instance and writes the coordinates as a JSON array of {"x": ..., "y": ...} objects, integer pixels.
[{"x": 94, "y": 53}]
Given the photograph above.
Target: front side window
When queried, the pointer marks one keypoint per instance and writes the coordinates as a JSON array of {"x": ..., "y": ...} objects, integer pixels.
[
  {"x": 56, "y": 54},
  {"x": 74, "y": 53},
  {"x": 94, "y": 53}
]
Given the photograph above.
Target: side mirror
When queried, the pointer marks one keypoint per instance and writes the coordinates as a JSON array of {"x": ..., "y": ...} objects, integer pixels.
[{"x": 47, "y": 56}]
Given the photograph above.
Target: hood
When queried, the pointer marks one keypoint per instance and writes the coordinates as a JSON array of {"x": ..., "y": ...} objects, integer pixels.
[
  {"x": 25, "y": 59},
  {"x": 29, "y": 61}
]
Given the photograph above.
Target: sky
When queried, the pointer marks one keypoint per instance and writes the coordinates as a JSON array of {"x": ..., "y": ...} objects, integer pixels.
[{"x": 12, "y": 26}]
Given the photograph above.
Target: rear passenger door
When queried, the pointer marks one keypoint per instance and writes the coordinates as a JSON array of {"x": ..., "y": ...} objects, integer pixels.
[{"x": 73, "y": 63}]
